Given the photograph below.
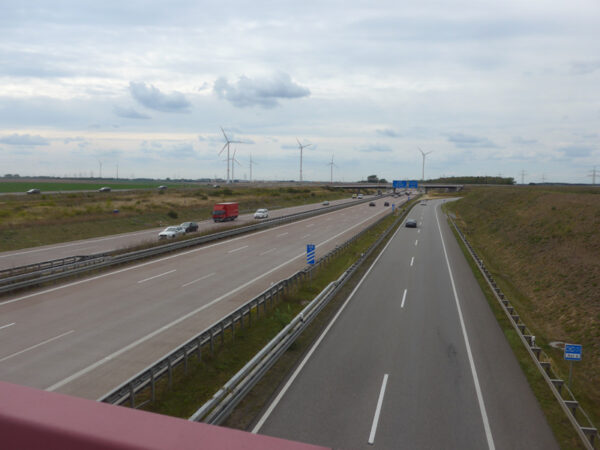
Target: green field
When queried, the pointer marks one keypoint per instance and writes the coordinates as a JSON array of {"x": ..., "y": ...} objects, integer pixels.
[
  {"x": 61, "y": 186},
  {"x": 542, "y": 245}
]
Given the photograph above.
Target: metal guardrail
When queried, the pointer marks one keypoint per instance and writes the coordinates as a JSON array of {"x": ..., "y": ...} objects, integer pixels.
[
  {"x": 36, "y": 267},
  {"x": 205, "y": 341},
  {"x": 587, "y": 433},
  {"x": 103, "y": 260},
  {"x": 223, "y": 402}
]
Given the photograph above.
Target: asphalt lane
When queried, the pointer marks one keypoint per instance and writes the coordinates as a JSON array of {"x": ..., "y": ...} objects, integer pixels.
[
  {"x": 410, "y": 364},
  {"x": 87, "y": 336},
  {"x": 110, "y": 243}
]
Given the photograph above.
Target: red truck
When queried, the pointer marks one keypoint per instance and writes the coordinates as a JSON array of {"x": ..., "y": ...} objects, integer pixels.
[{"x": 225, "y": 211}]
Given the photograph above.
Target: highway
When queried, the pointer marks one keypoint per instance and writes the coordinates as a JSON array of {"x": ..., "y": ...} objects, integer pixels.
[
  {"x": 111, "y": 243},
  {"x": 414, "y": 359},
  {"x": 87, "y": 336}
]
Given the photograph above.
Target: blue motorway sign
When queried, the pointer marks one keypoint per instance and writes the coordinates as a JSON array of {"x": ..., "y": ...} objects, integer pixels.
[
  {"x": 310, "y": 253},
  {"x": 572, "y": 352},
  {"x": 413, "y": 184},
  {"x": 399, "y": 184}
]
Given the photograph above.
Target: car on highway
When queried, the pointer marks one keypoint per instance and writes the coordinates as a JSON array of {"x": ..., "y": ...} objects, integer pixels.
[
  {"x": 423, "y": 203},
  {"x": 162, "y": 187},
  {"x": 171, "y": 232},
  {"x": 33, "y": 191},
  {"x": 326, "y": 203},
  {"x": 104, "y": 189},
  {"x": 360, "y": 196},
  {"x": 410, "y": 223},
  {"x": 371, "y": 203},
  {"x": 386, "y": 204},
  {"x": 353, "y": 195},
  {"x": 261, "y": 213},
  {"x": 189, "y": 226}
]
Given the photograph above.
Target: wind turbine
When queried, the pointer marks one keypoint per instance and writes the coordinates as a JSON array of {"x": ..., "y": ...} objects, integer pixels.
[
  {"x": 424, "y": 155},
  {"x": 331, "y": 164},
  {"x": 302, "y": 147},
  {"x": 233, "y": 161},
  {"x": 251, "y": 162},
  {"x": 227, "y": 142}
]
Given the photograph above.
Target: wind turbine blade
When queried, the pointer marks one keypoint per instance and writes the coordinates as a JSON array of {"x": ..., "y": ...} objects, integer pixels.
[
  {"x": 224, "y": 147},
  {"x": 298, "y": 140},
  {"x": 226, "y": 138}
]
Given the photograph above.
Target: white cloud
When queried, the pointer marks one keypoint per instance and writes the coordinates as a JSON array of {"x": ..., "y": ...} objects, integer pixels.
[
  {"x": 265, "y": 92},
  {"x": 152, "y": 98},
  {"x": 24, "y": 139}
]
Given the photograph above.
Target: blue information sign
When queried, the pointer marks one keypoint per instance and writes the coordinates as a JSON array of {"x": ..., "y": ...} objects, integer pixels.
[
  {"x": 399, "y": 184},
  {"x": 413, "y": 184},
  {"x": 572, "y": 352},
  {"x": 310, "y": 253}
]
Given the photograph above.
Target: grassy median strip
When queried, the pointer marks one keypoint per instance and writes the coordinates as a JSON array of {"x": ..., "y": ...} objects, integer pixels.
[
  {"x": 558, "y": 421},
  {"x": 203, "y": 378}
]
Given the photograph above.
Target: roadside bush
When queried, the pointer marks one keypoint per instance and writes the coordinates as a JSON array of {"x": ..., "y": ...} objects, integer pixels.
[{"x": 173, "y": 214}]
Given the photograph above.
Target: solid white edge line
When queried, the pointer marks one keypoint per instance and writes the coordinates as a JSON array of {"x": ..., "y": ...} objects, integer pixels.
[
  {"x": 198, "y": 279},
  {"x": 237, "y": 249},
  {"x": 412, "y": 260},
  {"x": 484, "y": 417},
  {"x": 403, "y": 299},
  {"x": 35, "y": 346},
  {"x": 157, "y": 276},
  {"x": 378, "y": 410},
  {"x": 128, "y": 347},
  {"x": 289, "y": 382},
  {"x": 6, "y": 326}
]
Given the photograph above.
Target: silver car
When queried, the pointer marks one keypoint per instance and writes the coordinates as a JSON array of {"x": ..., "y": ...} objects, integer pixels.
[
  {"x": 171, "y": 232},
  {"x": 261, "y": 214}
]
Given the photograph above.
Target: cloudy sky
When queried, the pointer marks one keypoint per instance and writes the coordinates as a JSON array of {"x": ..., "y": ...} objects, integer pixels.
[{"x": 489, "y": 87}]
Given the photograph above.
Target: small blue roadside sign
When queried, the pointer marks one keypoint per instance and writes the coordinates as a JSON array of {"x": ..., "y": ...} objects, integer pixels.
[
  {"x": 413, "y": 184},
  {"x": 572, "y": 352},
  {"x": 310, "y": 253}
]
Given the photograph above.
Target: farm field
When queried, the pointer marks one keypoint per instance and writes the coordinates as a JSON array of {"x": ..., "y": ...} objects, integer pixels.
[
  {"x": 542, "y": 245},
  {"x": 34, "y": 220},
  {"x": 69, "y": 185}
]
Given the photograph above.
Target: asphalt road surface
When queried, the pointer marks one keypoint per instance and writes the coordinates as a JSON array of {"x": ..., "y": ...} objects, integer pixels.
[
  {"x": 414, "y": 360},
  {"x": 110, "y": 243},
  {"x": 88, "y": 336}
]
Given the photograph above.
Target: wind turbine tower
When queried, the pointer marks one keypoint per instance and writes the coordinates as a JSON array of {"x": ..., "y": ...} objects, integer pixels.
[
  {"x": 331, "y": 164},
  {"x": 233, "y": 162},
  {"x": 226, "y": 146},
  {"x": 302, "y": 147},
  {"x": 251, "y": 162},
  {"x": 424, "y": 154}
]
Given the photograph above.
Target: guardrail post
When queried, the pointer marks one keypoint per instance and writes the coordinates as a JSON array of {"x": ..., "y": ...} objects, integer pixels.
[
  {"x": 185, "y": 360},
  {"x": 199, "y": 345},
  {"x": 170, "y": 370},
  {"x": 131, "y": 395},
  {"x": 212, "y": 345},
  {"x": 152, "y": 385},
  {"x": 222, "y": 334}
]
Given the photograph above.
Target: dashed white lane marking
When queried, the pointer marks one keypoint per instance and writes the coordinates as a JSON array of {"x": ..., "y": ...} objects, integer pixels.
[
  {"x": 36, "y": 345},
  {"x": 412, "y": 260},
  {"x": 416, "y": 242},
  {"x": 156, "y": 276},
  {"x": 198, "y": 279},
  {"x": 6, "y": 326},
  {"x": 310, "y": 225},
  {"x": 237, "y": 249},
  {"x": 305, "y": 236},
  {"x": 283, "y": 234},
  {"x": 268, "y": 251},
  {"x": 403, "y": 299},
  {"x": 419, "y": 230},
  {"x": 378, "y": 410}
]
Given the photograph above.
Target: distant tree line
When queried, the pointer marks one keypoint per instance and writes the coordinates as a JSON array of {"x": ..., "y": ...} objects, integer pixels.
[{"x": 473, "y": 180}]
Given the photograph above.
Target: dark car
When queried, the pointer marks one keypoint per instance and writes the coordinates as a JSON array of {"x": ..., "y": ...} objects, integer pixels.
[
  {"x": 410, "y": 223},
  {"x": 104, "y": 189},
  {"x": 189, "y": 226},
  {"x": 33, "y": 191},
  {"x": 371, "y": 203},
  {"x": 386, "y": 204}
]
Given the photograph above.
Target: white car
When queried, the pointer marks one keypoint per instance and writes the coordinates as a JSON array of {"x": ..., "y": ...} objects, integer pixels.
[
  {"x": 261, "y": 214},
  {"x": 360, "y": 196},
  {"x": 171, "y": 233}
]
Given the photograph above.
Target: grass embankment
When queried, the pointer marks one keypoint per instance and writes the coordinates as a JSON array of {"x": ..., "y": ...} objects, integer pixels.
[
  {"x": 29, "y": 221},
  {"x": 542, "y": 246},
  {"x": 204, "y": 378}
]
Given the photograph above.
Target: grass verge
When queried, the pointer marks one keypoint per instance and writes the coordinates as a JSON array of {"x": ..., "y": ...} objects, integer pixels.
[
  {"x": 559, "y": 423},
  {"x": 194, "y": 387}
]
